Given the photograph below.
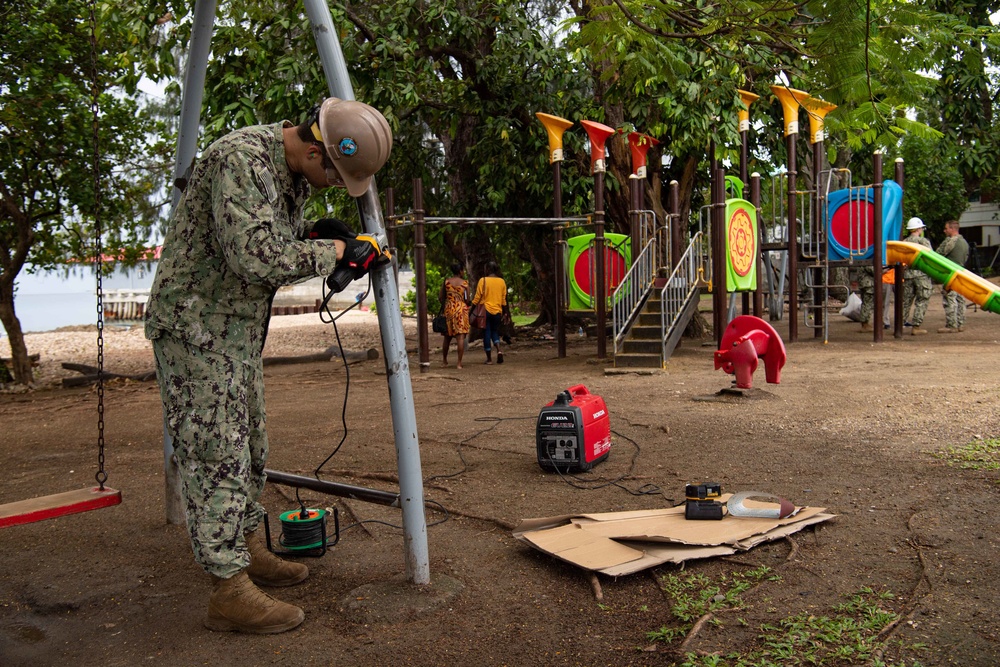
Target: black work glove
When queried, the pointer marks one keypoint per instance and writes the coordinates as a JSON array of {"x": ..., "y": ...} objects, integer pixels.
[
  {"x": 331, "y": 228},
  {"x": 358, "y": 258}
]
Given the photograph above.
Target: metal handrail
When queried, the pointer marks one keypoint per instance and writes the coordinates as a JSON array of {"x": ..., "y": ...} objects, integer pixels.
[
  {"x": 630, "y": 294},
  {"x": 688, "y": 276}
]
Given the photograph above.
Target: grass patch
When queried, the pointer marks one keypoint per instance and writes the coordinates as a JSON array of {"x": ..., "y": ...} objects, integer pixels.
[
  {"x": 850, "y": 636},
  {"x": 977, "y": 455},
  {"x": 694, "y": 595}
]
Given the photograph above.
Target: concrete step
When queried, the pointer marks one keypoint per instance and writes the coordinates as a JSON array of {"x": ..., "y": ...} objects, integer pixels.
[
  {"x": 637, "y": 346},
  {"x": 623, "y": 360},
  {"x": 642, "y": 332}
]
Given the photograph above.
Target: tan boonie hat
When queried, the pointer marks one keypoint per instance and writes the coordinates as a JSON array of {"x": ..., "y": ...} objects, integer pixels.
[{"x": 357, "y": 139}]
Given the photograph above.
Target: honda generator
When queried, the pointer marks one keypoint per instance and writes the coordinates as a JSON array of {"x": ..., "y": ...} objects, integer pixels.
[{"x": 573, "y": 432}]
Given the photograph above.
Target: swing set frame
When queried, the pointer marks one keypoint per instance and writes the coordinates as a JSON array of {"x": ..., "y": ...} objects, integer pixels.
[{"x": 100, "y": 496}]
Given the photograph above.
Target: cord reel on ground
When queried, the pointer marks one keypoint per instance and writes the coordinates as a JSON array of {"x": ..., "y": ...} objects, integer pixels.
[{"x": 303, "y": 532}]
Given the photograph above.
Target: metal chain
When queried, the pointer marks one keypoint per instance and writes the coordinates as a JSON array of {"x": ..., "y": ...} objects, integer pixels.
[{"x": 101, "y": 475}]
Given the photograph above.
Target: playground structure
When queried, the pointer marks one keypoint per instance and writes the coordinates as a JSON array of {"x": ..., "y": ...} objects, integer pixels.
[{"x": 652, "y": 278}]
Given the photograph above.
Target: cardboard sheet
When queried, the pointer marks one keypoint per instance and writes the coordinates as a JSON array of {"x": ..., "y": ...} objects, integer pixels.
[{"x": 618, "y": 543}]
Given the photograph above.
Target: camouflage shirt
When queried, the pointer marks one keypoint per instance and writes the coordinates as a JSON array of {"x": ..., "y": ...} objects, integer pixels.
[
  {"x": 235, "y": 237},
  {"x": 919, "y": 239},
  {"x": 955, "y": 248}
]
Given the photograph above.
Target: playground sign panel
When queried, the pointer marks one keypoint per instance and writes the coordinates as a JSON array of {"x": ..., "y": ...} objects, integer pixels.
[{"x": 741, "y": 245}]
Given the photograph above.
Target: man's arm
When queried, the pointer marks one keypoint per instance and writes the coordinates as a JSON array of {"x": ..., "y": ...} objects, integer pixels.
[{"x": 254, "y": 232}]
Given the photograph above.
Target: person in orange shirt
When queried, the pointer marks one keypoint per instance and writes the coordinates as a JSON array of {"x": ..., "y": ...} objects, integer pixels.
[{"x": 491, "y": 291}]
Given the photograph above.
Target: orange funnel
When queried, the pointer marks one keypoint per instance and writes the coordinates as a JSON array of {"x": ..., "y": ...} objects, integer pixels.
[
  {"x": 554, "y": 127},
  {"x": 598, "y": 134},
  {"x": 640, "y": 144}
]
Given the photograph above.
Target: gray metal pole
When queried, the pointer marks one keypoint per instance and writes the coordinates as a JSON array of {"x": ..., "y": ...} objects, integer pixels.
[
  {"x": 193, "y": 93},
  {"x": 404, "y": 421},
  {"x": 187, "y": 146}
]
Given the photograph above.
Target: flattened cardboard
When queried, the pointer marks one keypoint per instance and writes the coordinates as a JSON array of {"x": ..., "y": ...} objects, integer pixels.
[{"x": 618, "y": 543}]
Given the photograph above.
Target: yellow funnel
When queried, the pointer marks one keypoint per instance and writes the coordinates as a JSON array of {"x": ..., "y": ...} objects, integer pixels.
[
  {"x": 818, "y": 109},
  {"x": 790, "y": 100},
  {"x": 554, "y": 126},
  {"x": 746, "y": 97}
]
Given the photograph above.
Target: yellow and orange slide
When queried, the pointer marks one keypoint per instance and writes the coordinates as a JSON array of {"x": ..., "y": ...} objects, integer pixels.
[{"x": 941, "y": 269}]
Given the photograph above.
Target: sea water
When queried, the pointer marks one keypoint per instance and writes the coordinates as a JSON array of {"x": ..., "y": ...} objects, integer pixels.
[{"x": 47, "y": 300}]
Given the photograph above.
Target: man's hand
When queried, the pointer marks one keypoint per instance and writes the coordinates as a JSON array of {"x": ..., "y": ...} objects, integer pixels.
[
  {"x": 358, "y": 257},
  {"x": 331, "y": 228},
  {"x": 359, "y": 254}
]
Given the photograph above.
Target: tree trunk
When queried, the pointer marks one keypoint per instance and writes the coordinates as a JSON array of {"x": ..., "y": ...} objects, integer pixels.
[{"x": 20, "y": 360}]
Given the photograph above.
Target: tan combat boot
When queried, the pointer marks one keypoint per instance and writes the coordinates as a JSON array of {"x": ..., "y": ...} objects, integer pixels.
[
  {"x": 917, "y": 331},
  {"x": 266, "y": 569},
  {"x": 866, "y": 327},
  {"x": 949, "y": 330},
  {"x": 237, "y": 605}
]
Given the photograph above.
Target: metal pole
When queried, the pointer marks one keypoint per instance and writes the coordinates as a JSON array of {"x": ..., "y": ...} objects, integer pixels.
[
  {"x": 720, "y": 311},
  {"x": 676, "y": 231},
  {"x": 877, "y": 332},
  {"x": 560, "y": 269},
  {"x": 420, "y": 274},
  {"x": 820, "y": 277},
  {"x": 758, "y": 294},
  {"x": 600, "y": 290},
  {"x": 404, "y": 422},
  {"x": 897, "y": 301},
  {"x": 390, "y": 230},
  {"x": 793, "y": 246},
  {"x": 187, "y": 146}
]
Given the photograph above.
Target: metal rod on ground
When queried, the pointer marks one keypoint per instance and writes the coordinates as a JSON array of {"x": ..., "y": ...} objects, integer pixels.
[
  {"x": 187, "y": 147},
  {"x": 404, "y": 422},
  {"x": 333, "y": 488}
]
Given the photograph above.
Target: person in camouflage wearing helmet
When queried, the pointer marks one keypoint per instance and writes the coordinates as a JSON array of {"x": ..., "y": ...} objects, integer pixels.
[
  {"x": 236, "y": 235},
  {"x": 917, "y": 285},
  {"x": 955, "y": 248}
]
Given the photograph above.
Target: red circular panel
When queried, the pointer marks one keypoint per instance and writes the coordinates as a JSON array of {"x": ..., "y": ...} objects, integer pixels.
[
  {"x": 860, "y": 215},
  {"x": 614, "y": 270}
]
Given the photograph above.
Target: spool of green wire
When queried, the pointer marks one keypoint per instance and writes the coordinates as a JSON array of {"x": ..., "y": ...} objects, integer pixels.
[{"x": 303, "y": 529}]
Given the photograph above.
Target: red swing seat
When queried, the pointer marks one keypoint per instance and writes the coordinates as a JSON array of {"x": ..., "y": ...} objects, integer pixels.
[{"x": 58, "y": 504}]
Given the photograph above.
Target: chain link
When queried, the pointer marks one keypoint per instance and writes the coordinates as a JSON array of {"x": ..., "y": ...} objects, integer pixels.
[{"x": 101, "y": 475}]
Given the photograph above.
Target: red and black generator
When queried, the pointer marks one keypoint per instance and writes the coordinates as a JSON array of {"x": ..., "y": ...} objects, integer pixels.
[{"x": 573, "y": 432}]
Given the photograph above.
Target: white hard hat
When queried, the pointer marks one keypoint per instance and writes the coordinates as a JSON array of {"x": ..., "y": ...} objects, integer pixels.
[{"x": 914, "y": 223}]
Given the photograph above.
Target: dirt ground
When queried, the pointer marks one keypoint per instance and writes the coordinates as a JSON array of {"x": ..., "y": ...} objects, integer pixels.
[{"x": 853, "y": 427}]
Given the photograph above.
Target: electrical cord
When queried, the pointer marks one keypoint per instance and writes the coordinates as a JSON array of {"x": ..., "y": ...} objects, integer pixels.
[
  {"x": 465, "y": 464},
  {"x": 573, "y": 480},
  {"x": 325, "y": 313},
  {"x": 600, "y": 483}
]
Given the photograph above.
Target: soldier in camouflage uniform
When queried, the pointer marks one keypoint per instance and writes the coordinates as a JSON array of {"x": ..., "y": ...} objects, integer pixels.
[
  {"x": 917, "y": 285},
  {"x": 236, "y": 235},
  {"x": 866, "y": 290},
  {"x": 955, "y": 248}
]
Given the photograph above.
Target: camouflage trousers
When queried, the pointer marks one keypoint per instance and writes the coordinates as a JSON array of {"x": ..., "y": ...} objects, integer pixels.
[
  {"x": 866, "y": 290},
  {"x": 954, "y": 309},
  {"x": 214, "y": 411},
  {"x": 916, "y": 294}
]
